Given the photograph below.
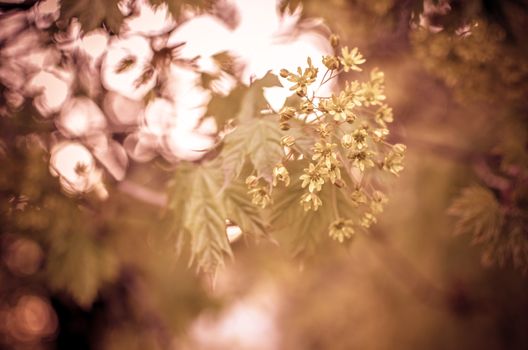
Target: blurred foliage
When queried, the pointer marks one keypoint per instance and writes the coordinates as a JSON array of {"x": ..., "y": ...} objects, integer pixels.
[
  {"x": 91, "y": 248},
  {"x": 501, "y": 232},
  {"x": 94, "y": 14}
]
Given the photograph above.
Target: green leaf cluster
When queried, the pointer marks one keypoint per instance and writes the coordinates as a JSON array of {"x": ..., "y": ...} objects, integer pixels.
[{"x": 201, "y": 202}]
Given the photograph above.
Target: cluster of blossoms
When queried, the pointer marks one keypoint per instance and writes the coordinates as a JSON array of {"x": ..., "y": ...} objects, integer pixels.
[{"x": 348, "y": 131}]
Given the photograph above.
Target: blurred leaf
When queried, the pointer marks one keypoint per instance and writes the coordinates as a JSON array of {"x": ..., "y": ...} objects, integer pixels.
[
  {"x": 290, "y": 5},
  {"x": 224, "y": 108},
  {"x": 80, "y": 265},
  {"x": 175, "y": 6},
  {"x": 93, "y": 14},
  {"x": 499, "y": 229},
  {"x": 478, "y": 214}
]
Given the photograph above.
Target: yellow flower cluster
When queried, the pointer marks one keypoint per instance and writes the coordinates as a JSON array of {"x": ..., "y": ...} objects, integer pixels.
[{"x": 349, "y": 130}]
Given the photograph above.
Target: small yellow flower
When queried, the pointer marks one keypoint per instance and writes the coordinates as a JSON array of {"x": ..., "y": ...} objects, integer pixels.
[
  {"x": 353, "y": 91},
  {"x": 261, "y": 196},
  {"x": 358, "y": 197},
  {"x": 341, "y": 229},
  {"x": 331, "y": 62},
  {"x": 368, "y": 220},
  {"x": 324, "y": 105},
  {"x": 393, "y": 161},
  {"x": 384, "y": 115},
  {"x": 324, "y": 130},
  {"x": 324, "y": 153},
  {"x": 377, "y": 76},
  {"x": 313, "y": 178},
  {"x": 334, "y": 173},
  {"x": 340, "y": 107},
  {"x": 303, "y": 79},
  {"x": 351, "y": 59},
  {"x": 361, "y": 159},
  {"x": 280, "y": 173},
  {"x": 372, "y": 94},
  {"x": 310, "y": 201},
  {"x": 380, "y": 134},
  {"x": 359, "y": 137},
  {"x": 378, "y": 201},
  {"x": 252, "y": 181}
]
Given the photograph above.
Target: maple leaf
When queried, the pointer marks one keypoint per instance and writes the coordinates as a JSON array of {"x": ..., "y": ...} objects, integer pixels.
[
  {"x": 242, "y": 212},
  {"x": 478, "y": 213},
  {"x": 200, "y": 213},
  {"x": 242, "y": 103},
  {"x": 256, "y": 140},
  {"x": 304, "y": 230}
]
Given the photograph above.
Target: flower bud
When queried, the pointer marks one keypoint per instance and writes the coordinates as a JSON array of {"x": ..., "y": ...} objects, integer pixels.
[
  {"x": 284, "y": 73},
  {"x": 288, "y": 141},
  {"x": 399, "y": 148},
  {"x": 347, "y": 141},
  {"x": 307, "y": 107},
  {"x": 252, "y": 181},
  {"x": 331, "y": 62},
  {"x": 286, "y": 113},
  {"x": 284, "y": 126},
  {"x": 334, "y": 40},
  {"x": 339, "y": 183}
]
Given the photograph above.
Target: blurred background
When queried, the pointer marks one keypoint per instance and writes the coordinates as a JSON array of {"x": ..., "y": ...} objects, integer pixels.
[{"x": 89, "y": 137}]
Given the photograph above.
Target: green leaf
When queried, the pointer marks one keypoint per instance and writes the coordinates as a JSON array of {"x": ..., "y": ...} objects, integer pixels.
[
  {"x": 254, "y": 101},
  {"x": 80, "y": 265},
  {"x": 257, "y": 140},
  {"x": 93, "y": 14},
  {"x": 200, "y": 213},
  {"x": 224, "y": 108},
  {"x": 242, "y": 212},
  {"x": 304, "y": 230},
  {"x": 242, "y": 103}
]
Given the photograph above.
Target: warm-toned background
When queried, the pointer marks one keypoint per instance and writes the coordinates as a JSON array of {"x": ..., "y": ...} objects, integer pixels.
[{"x": 456, "y": 75}]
